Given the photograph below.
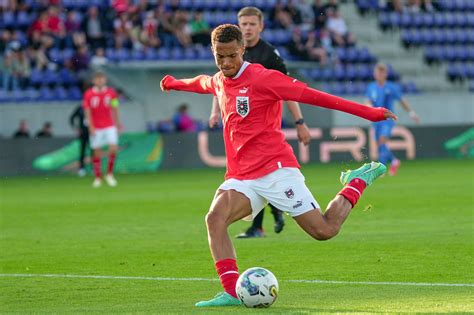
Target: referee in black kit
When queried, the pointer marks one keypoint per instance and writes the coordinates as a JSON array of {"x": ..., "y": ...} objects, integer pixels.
[{"x": 259, "y": 51}]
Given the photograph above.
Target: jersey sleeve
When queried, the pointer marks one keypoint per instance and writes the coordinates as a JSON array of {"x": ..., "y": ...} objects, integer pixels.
[
  {"x": 279, "y": 86},
  {"x": 202, "y": 84},
  {"x": 114, "y": 101}
]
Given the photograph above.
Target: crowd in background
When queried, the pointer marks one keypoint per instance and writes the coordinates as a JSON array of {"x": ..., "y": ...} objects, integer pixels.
[{"x": 83, "y": 36}]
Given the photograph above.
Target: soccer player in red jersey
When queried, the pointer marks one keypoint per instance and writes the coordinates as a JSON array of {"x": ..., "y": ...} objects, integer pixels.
[
  {"x": 261, "y": 166},
  {"x": 101, "y": 110}
]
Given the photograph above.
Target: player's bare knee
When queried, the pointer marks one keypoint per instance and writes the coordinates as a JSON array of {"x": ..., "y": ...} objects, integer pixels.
[
  {"x": 324, "y": 234},
  {"x": 214, "y": 219}
]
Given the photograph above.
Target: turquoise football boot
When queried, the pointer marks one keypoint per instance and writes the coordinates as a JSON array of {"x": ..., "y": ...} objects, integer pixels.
[
  {"x": 367, "y": 172},
  {"x": 221, "y": 299}
]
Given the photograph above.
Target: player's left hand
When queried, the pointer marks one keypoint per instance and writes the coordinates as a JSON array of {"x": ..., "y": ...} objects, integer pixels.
[
  {"x": 120, "y": 128},
  {"x": 389, "y": 115},
  {"x": 166, "y": 82},
  {"x": 303, "y": 134},
  {"x": 414, "y": 117}
]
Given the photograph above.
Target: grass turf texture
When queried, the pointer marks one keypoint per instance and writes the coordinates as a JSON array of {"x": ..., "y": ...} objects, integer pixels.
[{"x": 416, "y": 227}]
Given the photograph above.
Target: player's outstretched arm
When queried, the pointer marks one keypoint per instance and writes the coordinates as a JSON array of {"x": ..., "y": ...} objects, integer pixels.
[
  {"x": 321, "y": 99},
  {"x": 201, "y": 84}
]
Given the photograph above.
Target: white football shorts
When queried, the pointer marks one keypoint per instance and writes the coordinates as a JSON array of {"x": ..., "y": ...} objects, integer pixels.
[
  {"x": 105, "y": 136},
  {"x": 284, "y": 188}
]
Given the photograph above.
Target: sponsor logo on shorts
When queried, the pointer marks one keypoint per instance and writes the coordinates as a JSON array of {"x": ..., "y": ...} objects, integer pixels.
[
  {"x": 298, "y": 204},
  {"x": 290, "y": 194}
]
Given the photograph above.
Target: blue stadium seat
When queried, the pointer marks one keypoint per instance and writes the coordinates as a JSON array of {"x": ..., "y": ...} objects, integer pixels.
[
  {"x": 23, "y": 19},
  {"x": 30, "y": 94},
  {"x": 190, "y": 53},
  {"x": 46, "y": 94},
  {"x": 50, "y": 77},
  {"x": 164, "y": 53},
  {"x": 66, "y": 77},
  {"x": 55, "y": 55},
  {"x": 4, "y": 96},
  {"x": 60, "y": 93},
  {"x": 339, "y": 73},
  {"x": 151, "y": 54},
  {"x": 137, "y": 55},
  {"x": 74, "y": 93},
  {"x": 36, "y": 77},
  {"x": 9, "y": 20},
  {"x": 177, "y": 53},
  {"x": 123, "y": 54}
]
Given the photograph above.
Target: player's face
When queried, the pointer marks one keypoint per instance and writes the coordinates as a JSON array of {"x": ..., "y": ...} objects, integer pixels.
[
  {"x": 229, "y": 57},
  {"x": 380, "y": 75},
  {"x": 251, "y": 28},
  {"x": 100, "y": 81}
]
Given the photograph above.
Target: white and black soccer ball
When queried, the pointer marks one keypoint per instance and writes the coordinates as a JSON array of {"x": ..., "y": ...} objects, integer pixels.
[{"x": 257, "y": 287}]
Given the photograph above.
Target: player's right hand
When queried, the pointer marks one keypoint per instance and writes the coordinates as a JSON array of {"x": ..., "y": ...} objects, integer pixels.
[
  {"x": 214, "y": 120},
  {"x": 389, "y": 115},
  {"x": 91, "y": 130},
  {"x": 167, "y": 82}
]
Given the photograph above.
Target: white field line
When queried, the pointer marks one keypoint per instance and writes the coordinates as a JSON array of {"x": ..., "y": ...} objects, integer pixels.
[{"x": 420, "y": 284}]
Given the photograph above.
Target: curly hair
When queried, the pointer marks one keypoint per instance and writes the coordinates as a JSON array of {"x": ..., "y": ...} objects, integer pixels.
[{"x": 227, "y": 33}]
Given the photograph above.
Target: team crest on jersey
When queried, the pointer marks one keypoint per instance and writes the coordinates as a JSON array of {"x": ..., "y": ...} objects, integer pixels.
[
  {"x": 290, "y": 194},
  {"x": 242, "y": 105}
]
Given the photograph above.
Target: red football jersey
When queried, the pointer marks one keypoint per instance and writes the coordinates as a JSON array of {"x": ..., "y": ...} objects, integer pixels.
[
  {"x": 100, "y": 103},
  {"x": 251, "y": 108},
  {"x": 251, "y": 111}
]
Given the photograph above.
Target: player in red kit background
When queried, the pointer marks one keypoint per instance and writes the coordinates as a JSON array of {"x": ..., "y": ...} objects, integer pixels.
[
  {"x": 101, "y": 111},
  {"x": 261, "y": 165}
]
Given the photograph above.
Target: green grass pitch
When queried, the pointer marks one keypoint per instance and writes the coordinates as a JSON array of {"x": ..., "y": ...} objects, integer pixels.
[{"x": 416, "y": 227}]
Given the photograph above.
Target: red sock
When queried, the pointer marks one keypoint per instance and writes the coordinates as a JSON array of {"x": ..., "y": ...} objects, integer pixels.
[
  {"x": 353, "y": 190},
  {"x": 228, "y": 274},
  {"x": 110, "y": 166},
  {"x": 96, "y": 165}
]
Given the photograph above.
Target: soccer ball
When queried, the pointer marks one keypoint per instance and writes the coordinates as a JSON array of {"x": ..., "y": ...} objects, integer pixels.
[{"x": 257, "y": 287}]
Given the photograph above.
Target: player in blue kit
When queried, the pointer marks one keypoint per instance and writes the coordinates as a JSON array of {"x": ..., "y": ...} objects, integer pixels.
[{"x": 384, "y": 93}]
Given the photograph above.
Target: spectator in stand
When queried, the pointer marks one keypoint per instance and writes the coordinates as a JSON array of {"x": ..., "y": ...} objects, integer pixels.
[
  {"x": 23, "y": 130},
  {"x": 149, "y": 33},
  {"x": 281, "y": 17},
  {"x": 55, "y": 27},
  {"x": 37, "y": 56},
  {"x": 337, "y": 27},
  {"x": 16, "y": 67},
  {"x": 307, "y": 14},
  {"x": 326, "y": 44},
  {"x": 183, "y": 122},
  {"x": 99, "y": 59},
  {"x": 294, "y": 12},
  {"x": 136, "y": 32},
  {"x": 297, "y": 45},
  {"x": 319, "y": 11},
  {"x": 331, "y": 5},
  {"x": 122, "y": 30},
  {"x": 166, "y": 31},
  {"x": 179, "y": 22},
  {"x": 40, "y": 25},
  {"x": 199, "y": 30},
  {"x": 416, "y": 6},
  {"x": 79, "y": 62},
  {"x": 316, "y": 51},
  {"x": 120, "y": 6},
  {"x": 6, "y": 38},
  {"x": 46, "y": 131},
  {"x": 94, "y": 27},
  {"x": 75, "y": 37}
]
